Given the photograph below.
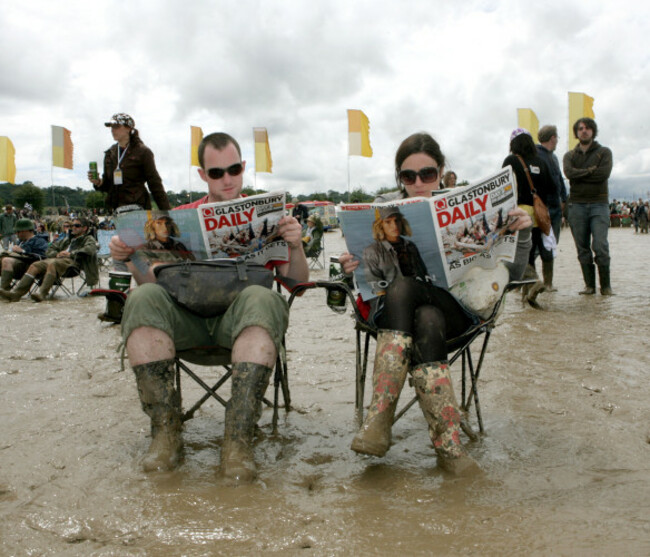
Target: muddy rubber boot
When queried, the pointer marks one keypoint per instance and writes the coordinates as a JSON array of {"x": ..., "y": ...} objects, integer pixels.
[
  {"x": 19, "y": 290},
  {"x": 161, "y": 402},
  {"x": 438, "y": 403},
  {"x": 547, "y": 273},
  {"x": 392, "y": 360},
  {"x": 589, "y": 274},
  {"x": 249, "y": 383},
  {"x": 603, "y": 275},
  {"x": 48, "y": 281},
  {"x": 5, "y": 279}
]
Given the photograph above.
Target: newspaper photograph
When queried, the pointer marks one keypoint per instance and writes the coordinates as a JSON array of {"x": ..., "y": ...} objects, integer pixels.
[
  {"x": 435, "y": 239},
  {"x": 245, "y": 227}
]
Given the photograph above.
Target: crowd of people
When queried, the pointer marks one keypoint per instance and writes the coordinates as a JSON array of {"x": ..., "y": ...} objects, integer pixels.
[{"x": 413, "y": 318}]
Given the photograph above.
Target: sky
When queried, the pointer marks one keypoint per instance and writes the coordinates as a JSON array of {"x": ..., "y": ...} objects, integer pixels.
[{"x": 457, "y": 70}]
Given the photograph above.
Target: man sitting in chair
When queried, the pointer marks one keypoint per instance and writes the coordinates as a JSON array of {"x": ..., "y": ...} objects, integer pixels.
[
  {"x": 312, "y": 237},
  {"x": 30, "y": 247},
  {"x": 78, "y": 250},
  {"x": 154, "y": 327}
]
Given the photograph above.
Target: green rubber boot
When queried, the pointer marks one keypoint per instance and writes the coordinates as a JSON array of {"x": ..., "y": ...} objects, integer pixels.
[
  {"x": 244, "y": 409},
  {"x": 19, "y": 290},
  {"x": 161, "y": 402}
]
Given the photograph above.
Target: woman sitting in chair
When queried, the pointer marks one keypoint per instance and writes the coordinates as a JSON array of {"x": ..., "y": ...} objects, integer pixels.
[{"x": 414, "y": 320}]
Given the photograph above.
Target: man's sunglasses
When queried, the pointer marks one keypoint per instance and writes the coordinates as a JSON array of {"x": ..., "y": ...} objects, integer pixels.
[
  {"x": 77, "y": 225},
  {"x": 218, "y": 173},
  {"x": 428, "y": 175}
]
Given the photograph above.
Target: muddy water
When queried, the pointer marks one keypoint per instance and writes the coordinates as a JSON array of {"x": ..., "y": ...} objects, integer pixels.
[{"x": 566, "y": 455}]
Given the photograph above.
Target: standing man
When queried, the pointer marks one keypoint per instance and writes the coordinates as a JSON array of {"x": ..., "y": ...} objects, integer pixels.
[
  {"x": 587, "y": 168},
  {"x": 154, "y": 327},
  {"x": 548, "y": 137},
  {"x": 8, "y": 221}
]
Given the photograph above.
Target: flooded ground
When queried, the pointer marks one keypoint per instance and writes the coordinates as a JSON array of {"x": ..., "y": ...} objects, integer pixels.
[{"x": 566, "y": 454}]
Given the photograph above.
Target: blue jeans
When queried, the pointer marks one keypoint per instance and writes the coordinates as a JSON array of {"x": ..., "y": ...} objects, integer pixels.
[{"x": 589, "y": 226}]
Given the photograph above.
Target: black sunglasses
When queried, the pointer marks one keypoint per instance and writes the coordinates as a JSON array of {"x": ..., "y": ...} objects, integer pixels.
[
  {"x": 428, "y": 174},
  {"x": 77, "y": 226},
  {"x": 218, "y": 173}
]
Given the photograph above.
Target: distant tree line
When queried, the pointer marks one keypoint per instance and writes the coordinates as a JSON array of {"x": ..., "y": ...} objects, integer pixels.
[{"x": 60, "y": 199}]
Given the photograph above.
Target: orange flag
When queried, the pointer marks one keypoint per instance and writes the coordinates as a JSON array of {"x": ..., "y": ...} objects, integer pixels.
[{"x": 62, "y": 148}]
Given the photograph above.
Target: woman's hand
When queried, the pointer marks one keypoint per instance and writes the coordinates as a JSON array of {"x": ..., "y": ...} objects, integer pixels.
[
  {"x": 94, "y": 181},
  {"x": 520, "y": 220},
  {"x": 348, "y": 263}
]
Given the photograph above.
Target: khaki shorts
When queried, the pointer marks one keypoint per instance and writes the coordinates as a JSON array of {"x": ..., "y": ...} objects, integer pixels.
[
  {"x": 58, "y": 264},
  {"x": 149, "y": 305}
]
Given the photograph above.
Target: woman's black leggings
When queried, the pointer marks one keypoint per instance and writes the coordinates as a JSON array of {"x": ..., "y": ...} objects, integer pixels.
[{"x": 428, "y": 313}]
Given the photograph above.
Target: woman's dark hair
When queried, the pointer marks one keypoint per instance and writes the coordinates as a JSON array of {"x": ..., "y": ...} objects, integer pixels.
[
  {"x": 417, "y": 143},
  {"x": 523, "y": 145},
  {"x": 589, "y": 123}
]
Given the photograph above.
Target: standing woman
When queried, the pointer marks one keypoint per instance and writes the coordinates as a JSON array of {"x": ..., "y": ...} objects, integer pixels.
[
  {"x": 414, "y": 320},
  {"x": 525, "y": 160},
  {"x": 128, "y": 165}
]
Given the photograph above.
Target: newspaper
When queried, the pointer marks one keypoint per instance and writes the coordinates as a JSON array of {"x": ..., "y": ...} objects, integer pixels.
[
  {"x": 247, "y": 227},
  {"x": 440, "y": 238}
]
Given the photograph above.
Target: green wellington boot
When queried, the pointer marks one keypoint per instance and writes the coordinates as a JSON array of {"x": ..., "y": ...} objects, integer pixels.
[
  {"x": 603, "y": 275},
  {"x": 244, "y": 409},
  {"x": 19, "y": 290},
  {"x": 161, "y": 402},
  {"x": 392, "y": 360},
  {"x": 48, "y": 281}
]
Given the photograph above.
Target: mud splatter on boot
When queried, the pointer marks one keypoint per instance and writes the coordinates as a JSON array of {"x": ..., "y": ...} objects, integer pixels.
[
  {"x": 249, "y": 383},
  {"x": 438, "y": 403},
  {"x": 161, "y": 402},
  {"x": 392, "y": 359}
]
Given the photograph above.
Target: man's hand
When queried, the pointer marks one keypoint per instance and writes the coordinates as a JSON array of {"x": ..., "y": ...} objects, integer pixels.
[
  {"x": 17, "y": 249},
  {"x": 291, "y": 231},
  {"x": 119, "y": 250},
  {"x": 94, "y": 181},
  {"x": 63, "y": 253}
]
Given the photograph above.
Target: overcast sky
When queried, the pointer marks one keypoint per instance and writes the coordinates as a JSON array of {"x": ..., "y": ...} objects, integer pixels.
[{"x": 458, "y": 70}]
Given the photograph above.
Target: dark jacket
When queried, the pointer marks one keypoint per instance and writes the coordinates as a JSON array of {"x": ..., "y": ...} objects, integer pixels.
[
  {"x": 556, "y": 176},
  {"x": 138, "y": 166},
  {"x": 36, "y": 246},
  {"x": 588, "y": 173},
  {"x": 83, "y": 250},
  {"x": 539, "y": 174}
]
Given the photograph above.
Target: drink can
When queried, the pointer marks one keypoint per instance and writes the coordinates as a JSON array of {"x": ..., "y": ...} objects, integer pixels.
[
  {"x": 336, "y": 298},
  {"x": 92, "y": 166}
]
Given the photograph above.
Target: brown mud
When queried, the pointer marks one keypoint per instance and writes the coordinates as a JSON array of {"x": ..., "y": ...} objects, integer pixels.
[{"x": 566, "y": 454}]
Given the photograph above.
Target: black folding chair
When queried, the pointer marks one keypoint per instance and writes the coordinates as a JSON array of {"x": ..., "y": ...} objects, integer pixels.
[{"x": 460, "y": 347}]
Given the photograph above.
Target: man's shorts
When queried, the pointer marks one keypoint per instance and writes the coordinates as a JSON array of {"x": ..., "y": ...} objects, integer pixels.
[
  {"x": 58, "y": 264},
  {"x": 149, "y": 305}
]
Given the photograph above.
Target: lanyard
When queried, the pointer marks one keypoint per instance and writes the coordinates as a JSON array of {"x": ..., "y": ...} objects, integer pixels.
[{"x": 120, "y": 157}]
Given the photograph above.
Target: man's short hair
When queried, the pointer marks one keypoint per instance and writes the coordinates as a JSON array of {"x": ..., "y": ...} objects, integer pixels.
[
  {"x": 589, "y": 123},
  {"x": 219, "y": 141},
  {"x": 546, "y": 133}
]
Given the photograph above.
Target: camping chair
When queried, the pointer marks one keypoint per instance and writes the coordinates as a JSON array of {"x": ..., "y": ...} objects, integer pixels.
[
  {"x": 71, "y": 273},
  {"x": 316, "y": 254},
  {"x": 104, "y": 252},
  {"x": 219, "y": 359},
  {"x": 460, "y": 347}
]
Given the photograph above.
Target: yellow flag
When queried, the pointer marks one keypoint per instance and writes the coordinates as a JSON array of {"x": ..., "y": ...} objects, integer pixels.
[
  {"x": 62, "y": 148},
  {"x": 580, "y": 106},
  {"x": 263, "y": 161},
  {"x": 197, "y": 136},
  {"x": 358, "y": 134},
  {"x": 7, "y": 160},
  {"x": 527, "y": 119}
]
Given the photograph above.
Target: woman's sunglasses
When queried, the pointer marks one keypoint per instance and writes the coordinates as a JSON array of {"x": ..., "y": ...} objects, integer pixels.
[
  {"x": 218, "y": 173},
  {"x": 428, "y": 175}
]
